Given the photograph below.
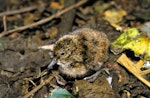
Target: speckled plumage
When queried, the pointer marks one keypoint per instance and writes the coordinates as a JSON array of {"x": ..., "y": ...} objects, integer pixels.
[{"x": 81, "y": 51}]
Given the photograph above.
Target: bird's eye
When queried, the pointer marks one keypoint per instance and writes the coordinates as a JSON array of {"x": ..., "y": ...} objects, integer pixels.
[{"x": 62, "y": 53}]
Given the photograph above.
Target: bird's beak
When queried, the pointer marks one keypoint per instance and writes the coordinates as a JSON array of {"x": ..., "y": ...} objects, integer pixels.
[{"x": 53, "y": 62}]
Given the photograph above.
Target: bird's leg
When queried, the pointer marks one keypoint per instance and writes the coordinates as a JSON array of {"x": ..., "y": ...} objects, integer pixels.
[{"x": 93, "y": 77}]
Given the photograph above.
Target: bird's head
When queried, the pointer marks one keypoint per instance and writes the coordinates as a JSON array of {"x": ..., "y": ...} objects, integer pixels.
[{"x": 63, "y": 50}]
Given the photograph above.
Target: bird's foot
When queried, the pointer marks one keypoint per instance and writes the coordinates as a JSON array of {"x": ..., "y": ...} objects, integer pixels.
[{"x": 93, "y": 77}]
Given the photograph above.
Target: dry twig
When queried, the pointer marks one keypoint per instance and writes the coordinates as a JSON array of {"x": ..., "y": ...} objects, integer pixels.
[
  {"x": 31, "y": 8},
  {"x": 44, "y": 20},
  {"x": 38, "y": 87},
  {"x": 133, "y": 68},
  {"x": 4, "y": 23}
]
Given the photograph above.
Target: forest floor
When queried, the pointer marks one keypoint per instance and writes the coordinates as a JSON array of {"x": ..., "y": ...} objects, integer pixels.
[{"x": 25, "y": 25}]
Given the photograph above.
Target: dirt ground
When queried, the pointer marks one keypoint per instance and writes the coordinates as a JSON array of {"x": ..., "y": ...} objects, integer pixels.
[{"x": 23, "y": 66}]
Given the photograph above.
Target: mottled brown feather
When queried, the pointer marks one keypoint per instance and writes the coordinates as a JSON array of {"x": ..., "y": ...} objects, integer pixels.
[{"x": 82, "y": 51}]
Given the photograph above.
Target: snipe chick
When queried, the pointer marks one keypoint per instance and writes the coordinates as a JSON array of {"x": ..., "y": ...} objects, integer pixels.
[{"x": 82, "y": 51}]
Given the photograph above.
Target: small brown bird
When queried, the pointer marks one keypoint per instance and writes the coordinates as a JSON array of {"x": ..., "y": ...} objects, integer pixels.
[{"x": 80, "y": 52}]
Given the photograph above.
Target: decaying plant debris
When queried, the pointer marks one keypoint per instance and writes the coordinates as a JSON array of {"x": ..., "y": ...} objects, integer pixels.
[{"x": 29, "y": 26}]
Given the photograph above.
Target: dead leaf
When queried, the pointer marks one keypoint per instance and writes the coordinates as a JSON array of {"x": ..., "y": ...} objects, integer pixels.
[
  {"x": 51, "y": 33},
  {"x": 114, "y": 17},
  {"x": 56, "y": 5},
  {"x": 29, "y": 18}
]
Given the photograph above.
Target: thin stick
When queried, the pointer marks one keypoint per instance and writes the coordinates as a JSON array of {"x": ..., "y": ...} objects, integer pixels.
[
  {"x": 44, "y": 20},
  {"x": 129, "y": 65},
  {"x": 145, "y": 72},
  {"x": 4, "y": 23},
  {"x": 31, "y": 8},
  {"x": 38, "y": 87}
]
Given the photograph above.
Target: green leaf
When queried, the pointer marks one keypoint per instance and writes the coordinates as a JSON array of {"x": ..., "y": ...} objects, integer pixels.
[
  {"x": 134, "y": 40},
  {"x": 126, "y": 37},
  {"x": 61, "y": 93}
]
